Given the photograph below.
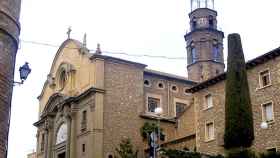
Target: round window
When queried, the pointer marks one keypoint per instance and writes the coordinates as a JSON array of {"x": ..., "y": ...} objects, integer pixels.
[
  {"x": 160, "y": 85},
  {"x": 174, "y": 88},
  {"x": 147, "y": 83}
]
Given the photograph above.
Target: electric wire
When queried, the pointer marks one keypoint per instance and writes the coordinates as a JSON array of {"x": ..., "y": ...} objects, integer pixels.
[{"x": 106, "y": 52}]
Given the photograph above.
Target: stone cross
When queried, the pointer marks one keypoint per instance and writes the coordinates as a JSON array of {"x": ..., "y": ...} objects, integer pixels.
[{"x": 69, "y": 32}]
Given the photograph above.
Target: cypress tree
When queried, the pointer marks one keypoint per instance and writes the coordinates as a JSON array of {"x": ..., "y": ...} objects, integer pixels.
[{"x": 239, "y": 130}]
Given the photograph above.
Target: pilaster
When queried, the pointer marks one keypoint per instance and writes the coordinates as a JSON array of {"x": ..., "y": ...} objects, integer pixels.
[
  {"x": 73, "y": 134},
  {"x": 98, "y": 126}
]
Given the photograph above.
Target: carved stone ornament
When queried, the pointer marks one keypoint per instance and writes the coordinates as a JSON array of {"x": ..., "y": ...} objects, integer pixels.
[
  {"x": 48, "y": 124},
  {"x": 51, "y": 81}
]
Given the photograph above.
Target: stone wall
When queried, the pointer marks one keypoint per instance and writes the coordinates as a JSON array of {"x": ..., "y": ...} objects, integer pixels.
[
  {"x": 185, "y": 124},
  {"x": 264, "y": 138},
  {"x": 9, "y": 32},
  {"x": 123, "y": 102}
]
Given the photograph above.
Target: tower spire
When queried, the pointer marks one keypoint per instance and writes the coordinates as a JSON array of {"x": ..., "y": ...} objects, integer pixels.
[{"x": 204, "y": 42}]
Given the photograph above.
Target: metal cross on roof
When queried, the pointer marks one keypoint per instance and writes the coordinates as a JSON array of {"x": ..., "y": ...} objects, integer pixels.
[{"x": 69, "y": 32}]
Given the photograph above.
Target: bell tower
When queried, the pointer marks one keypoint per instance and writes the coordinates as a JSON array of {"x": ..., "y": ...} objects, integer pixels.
[{"x": 204, "y": 42}]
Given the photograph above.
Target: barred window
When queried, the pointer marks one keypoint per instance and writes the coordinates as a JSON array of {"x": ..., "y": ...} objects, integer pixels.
[
  {"x": 153, "y": 103},
  {"x": 267, "y": 112},
  {"x": 264, "y": 78},
  {"x": 209, "y": 131},
  {"x": 180, "y": 108}
]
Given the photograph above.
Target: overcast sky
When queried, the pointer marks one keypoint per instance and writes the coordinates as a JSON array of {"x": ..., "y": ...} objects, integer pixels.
[{"x": 152, "y": 27}]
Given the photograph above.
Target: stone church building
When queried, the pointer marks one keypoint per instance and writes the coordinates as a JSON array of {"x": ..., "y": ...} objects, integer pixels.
[{"x": 90, "y": 101}]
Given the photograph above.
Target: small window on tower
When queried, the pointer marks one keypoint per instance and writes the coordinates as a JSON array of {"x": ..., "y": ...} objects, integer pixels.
[
  {"x": 211, "y": 22},
  {"x": 193, "y": 54},
  {"x": 216, "y": 53},
  {"x": 194, "y": 23}
]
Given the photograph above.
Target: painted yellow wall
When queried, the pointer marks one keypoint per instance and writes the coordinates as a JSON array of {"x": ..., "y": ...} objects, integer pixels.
[{"x": 79, "y": 81}]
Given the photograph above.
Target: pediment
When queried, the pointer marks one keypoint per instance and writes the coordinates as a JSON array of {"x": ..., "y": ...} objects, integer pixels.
[
  {"x": 54, "y": 101},
  {"x": 67, "y": 52}
]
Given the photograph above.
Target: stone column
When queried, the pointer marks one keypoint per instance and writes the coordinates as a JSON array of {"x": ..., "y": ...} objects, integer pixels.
[
  {"x": 50, "y": 139},
  {"x": 67, "y": 114},
  {"x": 46, "y": 143},
  {"x": 37, "y": 146},
  {"x": 73, "y": 135},
  {"x": 9, "y": 33}
]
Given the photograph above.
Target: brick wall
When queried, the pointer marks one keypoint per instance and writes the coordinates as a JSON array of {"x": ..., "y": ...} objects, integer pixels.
[
  {"x": 264, "y": 138},
  {"x": 9, "y": 32}
]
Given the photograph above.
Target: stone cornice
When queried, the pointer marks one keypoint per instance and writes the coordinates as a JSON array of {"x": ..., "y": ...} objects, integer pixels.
[
  {"x": 117, "y": 60},
  {"x": 153, "y": 117},
  {"x": 179, "y": 140},
  {"x": 48, "y": 111}
]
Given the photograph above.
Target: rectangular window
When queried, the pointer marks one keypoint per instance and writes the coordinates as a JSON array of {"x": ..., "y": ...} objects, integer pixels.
[
  {"x": 84, "y": 121},
  {"x": 267, "y": 112},
  {"x": 153, "y": 103},
  {"x": 209, "y": 131},
  {"x": 208, "y": 101},
  {"x": 43, "y": 142},
  {"x": 180, "y": 108},
  {"x": 264, "y": 78},
  {"x": 83, "y": 148}
]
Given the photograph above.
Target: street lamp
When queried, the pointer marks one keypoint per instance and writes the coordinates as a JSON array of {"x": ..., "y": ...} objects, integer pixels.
[
  {"x": 24, "y": 71},
  {"x": 264, "y": 125},
  {"x": 158, "y": 112}
]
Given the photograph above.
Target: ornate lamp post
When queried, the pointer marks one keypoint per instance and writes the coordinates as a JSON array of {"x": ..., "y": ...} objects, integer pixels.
[
  {"x": 24, "y": 71},
  {"x": 158, "y": 112},
  {"x": 264, "y": 125}
]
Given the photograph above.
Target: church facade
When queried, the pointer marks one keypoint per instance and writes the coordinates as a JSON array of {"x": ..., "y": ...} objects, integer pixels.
[{"x": 90, "y": 101}]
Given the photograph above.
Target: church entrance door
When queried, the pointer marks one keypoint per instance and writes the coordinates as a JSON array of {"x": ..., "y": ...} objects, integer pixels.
[{"x": 61, "y": 155}]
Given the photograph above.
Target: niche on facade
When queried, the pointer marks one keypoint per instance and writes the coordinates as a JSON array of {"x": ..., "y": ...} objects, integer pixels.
[{"x": 65, "y": 75}]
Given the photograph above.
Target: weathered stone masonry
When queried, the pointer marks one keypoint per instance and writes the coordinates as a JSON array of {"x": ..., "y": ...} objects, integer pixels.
[{"x": 9, "y": 33}]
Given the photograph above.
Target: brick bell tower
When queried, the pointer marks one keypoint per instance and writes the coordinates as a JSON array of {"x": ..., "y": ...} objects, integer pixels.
[
  {"x": 9, "y": 35},
  {"x": 204, "y": 42}
]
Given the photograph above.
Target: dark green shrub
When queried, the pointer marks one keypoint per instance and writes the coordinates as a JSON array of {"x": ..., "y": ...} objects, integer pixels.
[
  {"x": 171, "y": 153},
  {"x": 148, "y": 128},
  {"x": 270, "y": 155},
  {"x": 126, "y": 150},
  {"x": 239, "y": 131},
  {"x": 241, "y": 154}
]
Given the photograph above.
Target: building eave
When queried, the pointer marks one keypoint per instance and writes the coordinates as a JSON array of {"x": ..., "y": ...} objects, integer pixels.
[
  {"x": 118, "y": 60},
  {"x": 168, "y": 76},
  {"x": 249, "y": 65},
  {"x": 154, "y": 117}
]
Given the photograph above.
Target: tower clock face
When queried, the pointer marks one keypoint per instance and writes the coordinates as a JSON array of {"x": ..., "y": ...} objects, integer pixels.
[{"x": 202, "y": 22}]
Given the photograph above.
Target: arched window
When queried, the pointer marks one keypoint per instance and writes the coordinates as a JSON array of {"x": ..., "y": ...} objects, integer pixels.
[
  {"x": 194, "y": 23},
  {"x": 61, "y": 135},
  {"x": 193, "y": 54},
  {"x": 211, "y": 22},
  {"x": 216, "y": 52}
]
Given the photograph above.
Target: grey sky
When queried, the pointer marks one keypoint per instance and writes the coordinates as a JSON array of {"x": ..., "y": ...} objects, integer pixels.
[{"x": 154, "y": 27}]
